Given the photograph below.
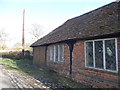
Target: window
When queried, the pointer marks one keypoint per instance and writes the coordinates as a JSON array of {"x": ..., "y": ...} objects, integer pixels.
[
  {"x": 61, "y": 53},
  {"x": 98, "y": 54},
  {"x": 51, "y": 53},
  {"x": 110, "y": 54},
  {"x": 57, "y": 53},
  {"x": 89, "y": 54},
  {"x": 102, "y": 54}
]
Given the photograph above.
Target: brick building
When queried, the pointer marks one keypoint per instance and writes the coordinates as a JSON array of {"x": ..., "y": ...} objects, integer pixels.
[{"x": 86, "y": 48}]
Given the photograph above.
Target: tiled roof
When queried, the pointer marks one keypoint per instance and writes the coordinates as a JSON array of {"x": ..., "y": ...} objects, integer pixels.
[{"x": 101, "y": 21}]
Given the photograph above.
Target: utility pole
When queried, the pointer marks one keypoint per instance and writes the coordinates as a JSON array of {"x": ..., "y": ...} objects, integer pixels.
[{"x": 23, "y": 34}]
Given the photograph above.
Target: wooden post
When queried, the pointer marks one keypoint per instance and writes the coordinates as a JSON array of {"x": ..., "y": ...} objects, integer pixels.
[{"x": 71, "y": 46}]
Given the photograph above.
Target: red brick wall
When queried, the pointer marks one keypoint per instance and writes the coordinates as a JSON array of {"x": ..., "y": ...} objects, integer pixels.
[
  {"x": 91, "y": 77},
  {"x": 118, "y": 40},
  {"x": 61, "y": 67},
  {"x": 80, "y": 73}
]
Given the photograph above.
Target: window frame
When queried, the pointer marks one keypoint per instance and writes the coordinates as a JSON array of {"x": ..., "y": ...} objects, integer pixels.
[
  {"x": 104, "y": 59},
  {"x": 51, "y": 53},
  {"x": 58, "y": 52}
]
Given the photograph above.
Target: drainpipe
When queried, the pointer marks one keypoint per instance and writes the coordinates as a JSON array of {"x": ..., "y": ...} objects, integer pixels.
[{"x": 71, "y": 46}]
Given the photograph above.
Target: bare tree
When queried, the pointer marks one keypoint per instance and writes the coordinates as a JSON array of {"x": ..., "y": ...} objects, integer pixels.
[
  {"x": 36, "y": 31},
  {"x": 3, "y": 39},
  {"x": 3, "y": 35}
]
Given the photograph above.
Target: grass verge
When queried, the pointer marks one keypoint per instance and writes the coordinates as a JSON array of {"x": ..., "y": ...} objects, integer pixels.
[{"x": 27, "y": 67}]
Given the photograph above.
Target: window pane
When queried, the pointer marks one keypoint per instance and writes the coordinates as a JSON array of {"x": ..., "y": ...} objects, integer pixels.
[
  {"x": 52, "y": 53},
  {"x": 99, "y": 54},
  {"x": 61, "y": 53},
  {"x": 110, "y": 54},
  {"x": 89, "y": 54},
  {"x": 56, "y": 53}
]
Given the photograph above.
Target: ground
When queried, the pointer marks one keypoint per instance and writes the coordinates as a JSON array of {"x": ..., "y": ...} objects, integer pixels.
[
  {"x": 19, "y": 80},
  {"x": 24, "y": 74},
  {"x": 5, "y": 81}
]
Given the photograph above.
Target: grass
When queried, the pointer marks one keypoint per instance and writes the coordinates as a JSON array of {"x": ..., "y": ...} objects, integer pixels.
[{"x": 27, "y": 67}]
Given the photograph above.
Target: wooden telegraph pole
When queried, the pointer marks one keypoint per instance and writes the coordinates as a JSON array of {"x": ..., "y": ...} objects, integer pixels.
[{"x": 23, "y": 34}]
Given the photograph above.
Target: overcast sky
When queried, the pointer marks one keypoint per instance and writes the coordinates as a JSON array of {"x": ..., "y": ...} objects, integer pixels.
[{"x": 48, "y": 13}]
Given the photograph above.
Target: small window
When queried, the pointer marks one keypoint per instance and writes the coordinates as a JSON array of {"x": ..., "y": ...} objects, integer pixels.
[
  {"x": 61, "y": 53},
  {"x": 98, "y": 54},
  {"x": 89, "y": 54},
  {"x": 110, "y": 54},
  {"x": 102, "y": 54},
  {"x": 51, "y": 53},
  {"x": 57, "y": 53}
]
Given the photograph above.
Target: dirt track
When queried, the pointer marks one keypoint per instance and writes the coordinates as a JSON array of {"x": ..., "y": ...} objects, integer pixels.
[{"x": 4, "y": 80}]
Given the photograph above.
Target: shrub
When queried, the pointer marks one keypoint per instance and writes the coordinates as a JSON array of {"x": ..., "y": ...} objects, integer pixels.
[
  {"x": 17, "y": 55},
  {"x": 28, "y": 55}
]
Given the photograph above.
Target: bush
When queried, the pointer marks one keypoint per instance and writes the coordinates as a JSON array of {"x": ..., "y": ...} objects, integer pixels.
[
  {"x": 17, "y": 55},
  {"x": 28, "y": 55}
]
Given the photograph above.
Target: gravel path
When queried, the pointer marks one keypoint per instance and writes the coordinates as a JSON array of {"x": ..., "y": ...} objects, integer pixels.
[
  {"x": 12, "y": 79},
  {"x": 22, "y": 80},
  {"x": 5, "y": 81}
]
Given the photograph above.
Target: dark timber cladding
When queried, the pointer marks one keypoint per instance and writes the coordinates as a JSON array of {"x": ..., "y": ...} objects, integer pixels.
[
  {"x": 39, "y": 56},
  {"x": 71, "y": 45}
]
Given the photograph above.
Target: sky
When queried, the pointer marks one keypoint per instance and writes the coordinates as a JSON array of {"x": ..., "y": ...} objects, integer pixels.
[{"x": 47, "y": 13}]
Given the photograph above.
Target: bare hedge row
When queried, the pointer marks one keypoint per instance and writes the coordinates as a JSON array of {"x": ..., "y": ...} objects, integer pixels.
[{"x": 17, "y": 55}]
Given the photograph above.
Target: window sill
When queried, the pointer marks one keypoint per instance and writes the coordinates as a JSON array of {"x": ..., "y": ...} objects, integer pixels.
[
  {"x": 57, "y": 61},
  {"x": 101, "y": 70}
]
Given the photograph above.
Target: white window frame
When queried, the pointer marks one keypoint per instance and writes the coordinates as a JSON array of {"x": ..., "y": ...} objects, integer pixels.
[
  {"x": 104, "y": 61},
  {"x": 59, "y": 53},
  {"x": 53, "y": 47},
  {"x": 54, "y": 52}
]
